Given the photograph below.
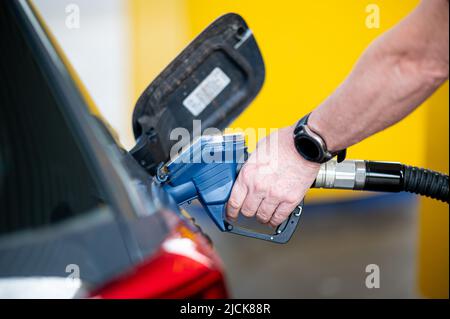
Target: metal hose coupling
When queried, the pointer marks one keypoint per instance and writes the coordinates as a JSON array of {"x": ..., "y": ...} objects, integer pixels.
[{"x": 349, "y": 174}]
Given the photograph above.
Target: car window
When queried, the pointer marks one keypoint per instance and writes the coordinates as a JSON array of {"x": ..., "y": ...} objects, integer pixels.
[{"x": 44, "y": 178}]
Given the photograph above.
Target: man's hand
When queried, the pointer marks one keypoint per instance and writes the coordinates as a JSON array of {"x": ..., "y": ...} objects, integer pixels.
[{"x": 273, "y": 181}]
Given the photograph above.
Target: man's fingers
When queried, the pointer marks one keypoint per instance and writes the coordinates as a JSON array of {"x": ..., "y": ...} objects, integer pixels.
[
  {"x": 281, "y": 213},
  {"x": 265, "y": 211},
  {"x": 236, "y": 200},
  {"x": 251, "y": 204}
]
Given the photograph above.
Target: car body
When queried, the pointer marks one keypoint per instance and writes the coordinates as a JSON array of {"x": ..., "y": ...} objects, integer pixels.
[{"x": 79, "y": 217}]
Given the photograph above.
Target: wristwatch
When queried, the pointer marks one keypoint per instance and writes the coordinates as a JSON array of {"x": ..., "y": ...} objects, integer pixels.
[{"x": 311, "y": 145}]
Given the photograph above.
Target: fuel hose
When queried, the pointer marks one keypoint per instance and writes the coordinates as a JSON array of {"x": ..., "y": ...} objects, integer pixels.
[{"x": 383, "y": 177}]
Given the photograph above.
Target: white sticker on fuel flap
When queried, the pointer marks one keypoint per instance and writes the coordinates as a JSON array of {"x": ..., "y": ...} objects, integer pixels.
[{"x": 206, "y": 91}]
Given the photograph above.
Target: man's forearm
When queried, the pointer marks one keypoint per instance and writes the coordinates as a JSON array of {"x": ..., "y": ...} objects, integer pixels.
[{"x": 396, "y": 74}]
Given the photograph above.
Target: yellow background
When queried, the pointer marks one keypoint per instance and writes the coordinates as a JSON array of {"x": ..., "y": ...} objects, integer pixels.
[{"x": 308, "y": 46}]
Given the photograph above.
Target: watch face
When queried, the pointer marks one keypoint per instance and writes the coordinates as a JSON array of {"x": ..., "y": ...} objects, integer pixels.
[{"x": 308, "y": 148}]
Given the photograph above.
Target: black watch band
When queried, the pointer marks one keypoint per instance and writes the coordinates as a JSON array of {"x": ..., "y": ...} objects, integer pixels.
[{"x": 312, "y": 146}]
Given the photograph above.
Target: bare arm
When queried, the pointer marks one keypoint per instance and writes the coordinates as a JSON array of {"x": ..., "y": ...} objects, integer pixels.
[{"x": 397, "y": 73}]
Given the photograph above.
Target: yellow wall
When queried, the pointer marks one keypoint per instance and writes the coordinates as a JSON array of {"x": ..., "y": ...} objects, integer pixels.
[
  {"x": 309, "y": 47},
  {"x": 159, "y": 31}
]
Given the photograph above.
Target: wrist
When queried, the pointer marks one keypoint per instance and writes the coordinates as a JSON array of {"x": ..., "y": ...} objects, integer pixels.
[
  {"x": 293, "y": 150},
  {"x": 323, "y": 128},
  {"x": 311, "y": 145}
]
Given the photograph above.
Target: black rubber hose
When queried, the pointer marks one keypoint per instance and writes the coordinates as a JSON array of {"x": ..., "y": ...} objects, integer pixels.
[
  {"x": 426, "y": 182},
  {"x": 397, "y": 177}
]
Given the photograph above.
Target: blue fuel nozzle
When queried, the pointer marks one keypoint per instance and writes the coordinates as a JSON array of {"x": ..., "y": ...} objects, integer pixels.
[{"x": 206, "y": 171}]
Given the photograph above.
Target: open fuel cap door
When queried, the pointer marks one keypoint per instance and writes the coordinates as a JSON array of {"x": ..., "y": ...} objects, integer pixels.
[{"x": 212, "y": 80}]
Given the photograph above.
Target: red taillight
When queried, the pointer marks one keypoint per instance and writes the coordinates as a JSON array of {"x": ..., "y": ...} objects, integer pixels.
[{"x": 184, "y": 267}]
